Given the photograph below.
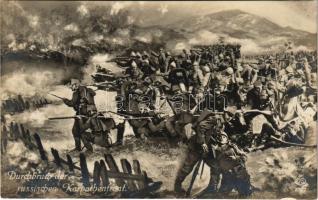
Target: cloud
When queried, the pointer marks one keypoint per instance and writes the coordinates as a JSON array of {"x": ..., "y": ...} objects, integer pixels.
[
  {"x": 29, "y": 85},
  {"x": 180, "y": 46},
  {"x": 204, "y": 37},
  {"x": 116, "y": 7},
  {"x": 33, "y": 21},
  {"x": 146, "y": 38},
  {"x": 163, "y": 9},
  {"x": 83, "y": 10},
  {"x": 71, "y": 27}
]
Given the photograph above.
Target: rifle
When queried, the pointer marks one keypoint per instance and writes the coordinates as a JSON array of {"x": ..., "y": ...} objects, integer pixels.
[
  {"x": 194, "y": 175},
  {"x": 56, "y": 96},
  {"x": 154, "y": 54},
  {"x": 127, "y": 117},
  {"x": 67, "y": 117},
  {"x": 103, "y": 74},
  {"x": 118, "y": 59},
  {"x": 291, "y": 143}
]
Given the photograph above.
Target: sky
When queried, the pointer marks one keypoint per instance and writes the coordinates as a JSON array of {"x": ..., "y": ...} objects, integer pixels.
[{"x": 296, "y": 14}]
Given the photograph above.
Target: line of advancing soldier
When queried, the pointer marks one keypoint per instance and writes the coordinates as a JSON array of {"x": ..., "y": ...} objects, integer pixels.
[{"x": 210, "y": 98}]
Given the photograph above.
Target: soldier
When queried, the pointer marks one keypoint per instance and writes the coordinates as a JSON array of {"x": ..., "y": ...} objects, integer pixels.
[
  {"x": 178, "y": 78},
  {"x": 254, "y": 97},
  {"x": 231, "y": 161},
  {"x": 267, "y": 70},
  {"x": 203, "y": 76},
  {"x": 174, "y": 127},
  {"x": 213, "y": 146},
  {"x": 4, "y": 135},
  {"x": 99, "y": 126},
  {"x": 198, "y": 149},
  {"x": 162, "y": 60},
  {"x": 147, "y": 68},
  {"x": 134, "y": 72},
  {"x": 83, "y": 102}
]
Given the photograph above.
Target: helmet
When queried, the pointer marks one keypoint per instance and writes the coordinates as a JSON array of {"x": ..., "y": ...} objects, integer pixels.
[
  {"x": 75, "y": 81},
  {"x": 138, "y": 55},
  {"x": 206, "y": 69},
  {"x": 229, "y": 70},
  {"x": 138, "y": 91},
  {"x": 132, "y": 54},
  {"x": 145, "y": 54},
  {"x": 134, "y": 64},
  {"x": 173, "y": 64},
  {"x": 289, "y": 69}
]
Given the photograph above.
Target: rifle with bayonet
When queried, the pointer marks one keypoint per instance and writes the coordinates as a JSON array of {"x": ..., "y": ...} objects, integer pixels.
[
  {"x": 119, "y": 59},
  {"x": 56, "y": 96},
  {"x": 124, "y": 116}
]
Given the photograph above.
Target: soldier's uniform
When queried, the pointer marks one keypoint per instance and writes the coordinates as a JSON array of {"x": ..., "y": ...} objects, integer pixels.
[
  {"x": 205, "y": 134},
  {"x": 99, "y": 127},
  {"x": 178, "y": 79},
  {"x": 83, "y": 103},
  {"x": 134, "y": 72},
  {"x": 254, "y": 97},
  {"x": 221, "y": 156}
]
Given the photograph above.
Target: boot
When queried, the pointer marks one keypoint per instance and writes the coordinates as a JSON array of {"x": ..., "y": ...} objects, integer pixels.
[
  {"x": 77, "y": 144},
  {"x": 178, "y": 188}
]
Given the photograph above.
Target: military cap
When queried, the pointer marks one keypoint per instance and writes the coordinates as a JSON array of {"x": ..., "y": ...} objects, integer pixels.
[
  {"x": 224, "y": 134},
  {"x": 74, "y": 81},
  {"x": 230, "y": 109}
]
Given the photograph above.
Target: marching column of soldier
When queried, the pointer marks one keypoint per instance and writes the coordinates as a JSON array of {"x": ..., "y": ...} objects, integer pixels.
[{"x": 221, "y": 106}]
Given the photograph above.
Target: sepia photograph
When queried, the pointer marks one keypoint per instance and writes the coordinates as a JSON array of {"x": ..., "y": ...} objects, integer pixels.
[{"x": 158, "y": 99}]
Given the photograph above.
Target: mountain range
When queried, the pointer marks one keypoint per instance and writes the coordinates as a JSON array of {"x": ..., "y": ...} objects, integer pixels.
[
  {"x": 239, "y": 26},
  {"x": 63, "y": 30}
]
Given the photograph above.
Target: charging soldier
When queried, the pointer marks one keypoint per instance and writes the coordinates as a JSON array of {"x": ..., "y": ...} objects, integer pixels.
[
  {"x": 83, "y": 103},
  {"x": 212, "y": 145},
  {"x": 198, "y": 149}
]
